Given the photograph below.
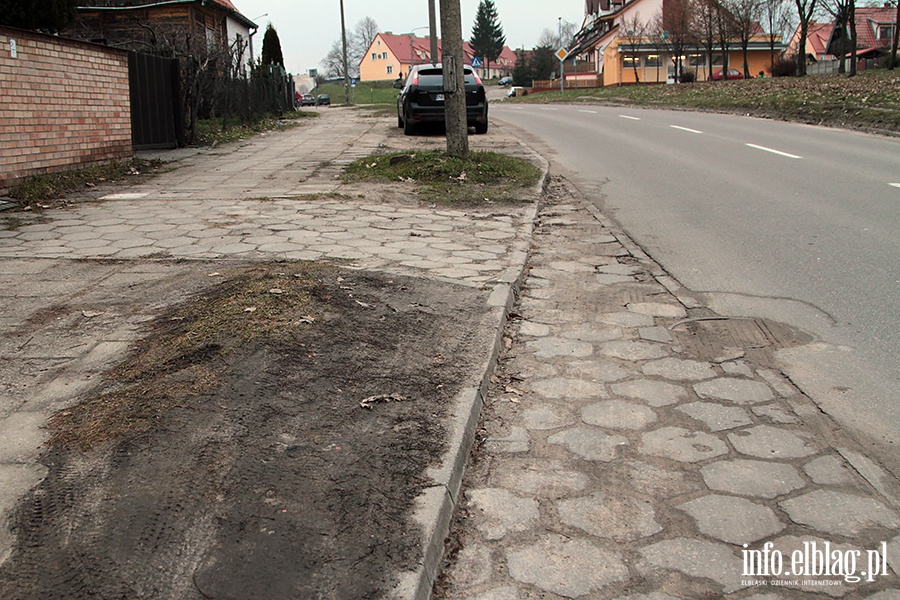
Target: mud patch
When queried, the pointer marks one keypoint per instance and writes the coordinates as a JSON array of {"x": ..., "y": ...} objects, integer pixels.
[{"x": 268, "y": 480}]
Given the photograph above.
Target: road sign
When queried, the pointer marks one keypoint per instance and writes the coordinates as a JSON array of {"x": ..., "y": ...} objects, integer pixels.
[
  {"x": 476, "y": 62},
  {"x": 562, "y": 53}
]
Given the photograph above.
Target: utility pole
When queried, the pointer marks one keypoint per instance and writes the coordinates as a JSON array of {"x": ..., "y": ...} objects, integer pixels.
[
  {"x": 344, "y": 41},
  {"x": 432, "y": 30},
  {"x": 454, "y": 79}
]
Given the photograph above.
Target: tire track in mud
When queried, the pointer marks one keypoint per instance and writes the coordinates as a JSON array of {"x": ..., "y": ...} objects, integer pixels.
[{"x": 277, "y": 484}]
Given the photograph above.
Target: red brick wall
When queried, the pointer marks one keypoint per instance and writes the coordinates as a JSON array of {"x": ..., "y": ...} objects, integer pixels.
[{"x": 63, "y": 104}]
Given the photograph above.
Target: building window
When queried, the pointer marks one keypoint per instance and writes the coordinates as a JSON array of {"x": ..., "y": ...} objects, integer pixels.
[
  {"x": 631, "y": 62},
  {"x": 885, "y": 32},
  {"x": 717, "y": 60},
  {"x": 651, "y": 60},
  {"x": 697, "y": 60},
  {"x": 384, "y": 55},
  {"x": 390, "y": 69},
  {"x": 374, "y": 56}
]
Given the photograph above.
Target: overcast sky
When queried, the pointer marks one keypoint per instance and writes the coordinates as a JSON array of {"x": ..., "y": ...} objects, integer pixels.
[{"x": 307, "y": 29}]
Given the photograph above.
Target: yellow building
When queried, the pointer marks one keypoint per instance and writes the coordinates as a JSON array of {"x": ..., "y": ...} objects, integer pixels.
[
  {"x": 624, "y": 44},
  {"x": 390, "y": 56}
]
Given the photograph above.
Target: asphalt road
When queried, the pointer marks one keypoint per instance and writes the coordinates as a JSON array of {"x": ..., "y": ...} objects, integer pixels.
[{"x": 794, "y": 223}]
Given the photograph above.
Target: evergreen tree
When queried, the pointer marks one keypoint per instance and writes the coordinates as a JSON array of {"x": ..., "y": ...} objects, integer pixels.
[
  {"x": 521, "y": 73},
  {"x": 48, "y": 15},
  {"x": 271, "y": 48},
  {"x": 543, "y": 62},
  {"x": 487, "y": 34}
]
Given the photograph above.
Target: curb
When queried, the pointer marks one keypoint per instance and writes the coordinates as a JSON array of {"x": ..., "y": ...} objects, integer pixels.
[{"x": 437, "y": 503}]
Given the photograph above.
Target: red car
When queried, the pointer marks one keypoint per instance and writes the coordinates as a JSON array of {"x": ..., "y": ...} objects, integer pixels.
[{"x": 732, "y": 74}]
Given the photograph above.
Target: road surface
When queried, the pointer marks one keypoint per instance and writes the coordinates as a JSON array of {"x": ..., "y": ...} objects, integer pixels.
[{"x": 789, "y": 222}]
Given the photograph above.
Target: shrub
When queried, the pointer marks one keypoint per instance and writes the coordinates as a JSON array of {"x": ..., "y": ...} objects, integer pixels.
[
  {"x": 784, "y": 67},
  {"x": 688, "y": 77}
]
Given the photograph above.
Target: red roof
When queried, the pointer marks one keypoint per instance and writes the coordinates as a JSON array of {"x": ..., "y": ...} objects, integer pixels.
[
  {"x": 867, "y": 22},
  {"x": 399, "y": 45}
]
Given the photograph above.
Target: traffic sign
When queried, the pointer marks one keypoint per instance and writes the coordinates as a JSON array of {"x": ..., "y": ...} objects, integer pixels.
[
  {"x": 476, "y": 62},
  {"x": 562, "y": 53}
]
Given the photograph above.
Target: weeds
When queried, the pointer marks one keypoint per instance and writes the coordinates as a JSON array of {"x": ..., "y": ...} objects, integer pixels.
[
  {"x": 482, "y": 177},
  {"x": 51, "y": 186}
]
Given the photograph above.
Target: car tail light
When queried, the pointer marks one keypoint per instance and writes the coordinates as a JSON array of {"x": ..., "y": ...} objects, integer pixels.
[
  {"x": 477, "y": 78},
  {"x": 415, "y": 80}
]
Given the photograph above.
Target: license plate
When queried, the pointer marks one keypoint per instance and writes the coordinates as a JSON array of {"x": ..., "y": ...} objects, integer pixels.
[{"x": 439, "y": 97}]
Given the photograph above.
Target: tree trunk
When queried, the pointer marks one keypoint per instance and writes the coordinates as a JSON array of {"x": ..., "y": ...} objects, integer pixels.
[
  {"x": 853, "y": 55},
  {"x": 455, "y": 89},
  {"x": 344, "y": 41},
  {"x": 896, "y": 39}
]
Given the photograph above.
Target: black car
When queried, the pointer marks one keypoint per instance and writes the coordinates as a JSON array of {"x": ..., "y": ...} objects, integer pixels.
[
  {"x": 307, "y": 100},
  {"x": 422, "y": 99},
  {"x": 323, "y": 100}
]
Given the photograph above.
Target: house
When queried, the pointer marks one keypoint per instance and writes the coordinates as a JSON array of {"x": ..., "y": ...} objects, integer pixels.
[
  {"x": 161, "y": 27},
  {"x": 874, "y": 30},
  {"x": 817, "y": 42},
  {"x": 390, "y": 56},
  {"x": 624, "y": 43}
]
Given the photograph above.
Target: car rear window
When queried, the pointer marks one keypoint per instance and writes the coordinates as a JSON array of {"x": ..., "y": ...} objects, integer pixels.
[{"x": 435, "y": 78}]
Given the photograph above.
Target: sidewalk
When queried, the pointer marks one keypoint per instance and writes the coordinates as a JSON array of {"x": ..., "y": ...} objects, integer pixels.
[{"x": 616, "y": 461}]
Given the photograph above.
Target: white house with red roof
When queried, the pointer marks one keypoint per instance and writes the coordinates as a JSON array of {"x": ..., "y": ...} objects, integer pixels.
[{"x": 390, "y": 56}]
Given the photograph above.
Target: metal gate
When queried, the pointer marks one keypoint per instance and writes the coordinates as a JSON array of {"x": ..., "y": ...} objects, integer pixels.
[{"x": 156, "y": 117}]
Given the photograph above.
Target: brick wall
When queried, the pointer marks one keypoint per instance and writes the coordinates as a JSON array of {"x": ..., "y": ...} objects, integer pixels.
[{"x": 63, "y": 104}]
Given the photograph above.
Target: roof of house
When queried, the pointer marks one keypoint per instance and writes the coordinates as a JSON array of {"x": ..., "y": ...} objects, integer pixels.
[
  {"x": 400, "y": 47},
  {"x": 227, "y": 5},
  {"x": 866, "y": 17},
  {"x": 817, "y": 36}
]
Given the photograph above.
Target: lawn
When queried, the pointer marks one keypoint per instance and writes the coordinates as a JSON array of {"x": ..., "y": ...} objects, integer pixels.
[
  {"x": 364, "y": 92},
  {"x": 869, "y": 101}
]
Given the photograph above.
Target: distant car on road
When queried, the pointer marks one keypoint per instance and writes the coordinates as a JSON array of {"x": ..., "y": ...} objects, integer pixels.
[
  {"x": 732, "y": 74},
  {"x": 421, "y": 99},
  {"x": 516, "y": 91},
  {"x": 505, "y": 81},
  {"x": 307, "y": 100},
  {"x": 323, "y": 100}
]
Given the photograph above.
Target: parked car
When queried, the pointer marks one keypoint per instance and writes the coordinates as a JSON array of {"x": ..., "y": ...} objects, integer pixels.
[
  {"x": 323, "y": 100},
  {"x": 421, "y": 99},
  {"x": 515, "y": 91},
  {"x": 307, "y": 100},
  {"x": 505, "y": 81},
  {"x": 732, "y": 74}
]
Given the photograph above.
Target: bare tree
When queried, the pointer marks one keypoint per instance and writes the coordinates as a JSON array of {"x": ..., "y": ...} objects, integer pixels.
[
  {"x": 561, "y": 37},
  {"x": 746, "y": 14},
  {"x": 777, "y": 17},
  {"x": 678, "y": 35},
  {"x": 726, "y": 31},
  {"x": 896, "y": 39},
  {"x": 359, "y": 41},
  {"x": 843, "y": 40},
  {"x": 635, "y": 31},
  {"x": 806, "y": 9},
  {"x": 704, "y": 25}
]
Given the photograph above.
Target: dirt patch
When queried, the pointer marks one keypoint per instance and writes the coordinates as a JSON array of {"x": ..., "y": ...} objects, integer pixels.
[{"x": 266, "y": 479}]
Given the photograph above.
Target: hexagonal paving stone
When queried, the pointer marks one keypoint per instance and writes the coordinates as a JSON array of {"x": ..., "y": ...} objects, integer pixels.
[
  {"x": 828, "y": 470},
  {"x": 497, "y": 512},
  {"x": 679, "y": 369},
  {"x": 733, "y": 520},
  {"x": 568, "y": 567},
  {"x": 618, "y": 518},
  {"x": 752, "y": 478},
  {"x": 839, "y": 513},
  {"x": 546, "y": 417},
  {"x": 565, "y": 387},
  {"x": 658, "y": 309},
  {"x": 590, "y": 443},
  {"x": 654, "y": 393},
  {"x": 683, "y": 445},
  {"x": 733, "y": 389},
  {"x": 765, "y": 441},
  {"x": 633, "y": 350},
  {"x": 695, "y": 558},
  {"x": 618, "y": 414},
  {"x": 548, "y": 347},
  {"x": 716, "y": 416}
]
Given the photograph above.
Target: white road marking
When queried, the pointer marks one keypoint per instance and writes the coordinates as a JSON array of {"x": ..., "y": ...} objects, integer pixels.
[
  {"x": 547, "y": 108},
  {"x": 630, "y": 117},
  {"x": 592, "y": 112},
  {"x": 896, "y": 185},
  {"x": 778, "y": 152},
  {"x": 688, "y": 129}
]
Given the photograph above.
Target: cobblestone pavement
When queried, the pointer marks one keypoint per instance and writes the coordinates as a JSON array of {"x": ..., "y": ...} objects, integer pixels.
[
  {"x": 280, "y": 197},
  {"x": 616, "y": 463}
]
